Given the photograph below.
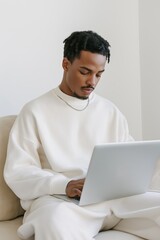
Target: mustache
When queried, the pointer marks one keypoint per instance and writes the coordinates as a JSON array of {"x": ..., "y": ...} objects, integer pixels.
[{"x": 88, "y": 86}]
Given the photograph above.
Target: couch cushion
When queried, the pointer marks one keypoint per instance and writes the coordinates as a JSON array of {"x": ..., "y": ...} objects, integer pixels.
[
  {"x": 9, "y": 204},
  {"x": 8, "y": 231},
  {"x": 116, "y": 235}
]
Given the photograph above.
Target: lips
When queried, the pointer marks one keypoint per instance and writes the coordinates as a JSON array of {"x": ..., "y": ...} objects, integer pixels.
[{"x": 87, "y": 90}]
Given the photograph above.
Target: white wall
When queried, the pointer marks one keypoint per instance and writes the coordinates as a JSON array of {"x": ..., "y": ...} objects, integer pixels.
[
  {"x": 31, "y": 48},
  {"x": 150, "y": 67}
]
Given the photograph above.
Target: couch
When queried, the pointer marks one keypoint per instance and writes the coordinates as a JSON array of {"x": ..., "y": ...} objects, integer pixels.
[{"x": 11, "y": 213}]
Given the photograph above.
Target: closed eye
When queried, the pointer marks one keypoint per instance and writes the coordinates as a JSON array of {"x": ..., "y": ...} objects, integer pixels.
[
  {"x": 84, "y": 72},
  {"x": 98, "y": 75}
]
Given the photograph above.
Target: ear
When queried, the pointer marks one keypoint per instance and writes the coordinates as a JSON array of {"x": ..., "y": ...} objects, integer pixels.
[{"x": 65, "y": 64}]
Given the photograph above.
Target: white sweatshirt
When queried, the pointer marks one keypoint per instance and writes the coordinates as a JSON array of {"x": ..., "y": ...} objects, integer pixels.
[{"x": 51, "y": 143}]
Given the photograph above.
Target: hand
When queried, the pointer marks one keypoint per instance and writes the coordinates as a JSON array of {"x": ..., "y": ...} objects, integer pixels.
[{"x": 74, "y": 188}]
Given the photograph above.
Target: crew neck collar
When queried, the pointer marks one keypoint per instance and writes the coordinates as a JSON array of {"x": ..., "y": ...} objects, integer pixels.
[{"x": 76, "y": 102}]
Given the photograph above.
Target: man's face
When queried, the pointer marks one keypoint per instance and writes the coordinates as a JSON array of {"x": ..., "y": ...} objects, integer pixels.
[{"x": 82, "y": 75}]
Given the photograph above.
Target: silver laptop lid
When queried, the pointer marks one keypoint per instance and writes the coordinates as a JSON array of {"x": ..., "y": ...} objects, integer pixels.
[{"x": 119, "y": 170}]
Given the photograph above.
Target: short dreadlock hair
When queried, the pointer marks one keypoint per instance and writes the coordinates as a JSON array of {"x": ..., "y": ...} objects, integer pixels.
[{"x": 85, "y": 41}]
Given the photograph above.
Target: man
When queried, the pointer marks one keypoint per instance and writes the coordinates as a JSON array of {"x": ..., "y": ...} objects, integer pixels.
[{"x": 50, "y": 147}]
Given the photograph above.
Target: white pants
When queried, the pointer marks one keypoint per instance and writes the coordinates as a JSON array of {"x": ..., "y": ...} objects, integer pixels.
[{"x": 50, "y": 218}]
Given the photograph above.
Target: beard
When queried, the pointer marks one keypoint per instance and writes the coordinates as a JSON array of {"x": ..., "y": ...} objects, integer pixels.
[
  {"x": 83, "y": 97},
  {"x": 80, "y": 97}
]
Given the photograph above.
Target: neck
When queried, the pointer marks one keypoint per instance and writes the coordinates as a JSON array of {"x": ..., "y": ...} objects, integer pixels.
[
  {"x": 64, "y": 89},
  {"x": 71, "y": 102},
  {"x": 67, "y": 91}
]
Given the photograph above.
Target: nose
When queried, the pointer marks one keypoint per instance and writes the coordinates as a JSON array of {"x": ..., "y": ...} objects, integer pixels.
[{"x": 92, "y": 80}]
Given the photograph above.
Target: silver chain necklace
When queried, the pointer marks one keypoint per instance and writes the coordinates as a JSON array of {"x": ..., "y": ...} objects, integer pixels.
[{"x": 82, "y": 109}]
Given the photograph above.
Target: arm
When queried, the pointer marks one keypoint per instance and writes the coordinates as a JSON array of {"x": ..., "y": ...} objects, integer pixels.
[{"x": 23, "y": 170}]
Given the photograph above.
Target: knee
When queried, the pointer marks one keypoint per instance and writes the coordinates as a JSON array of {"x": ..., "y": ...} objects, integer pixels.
[{"x": 25, "y": 231}]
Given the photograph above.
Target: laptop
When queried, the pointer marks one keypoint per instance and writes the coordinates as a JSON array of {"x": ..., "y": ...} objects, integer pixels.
[{"x": 120, "y": 170}]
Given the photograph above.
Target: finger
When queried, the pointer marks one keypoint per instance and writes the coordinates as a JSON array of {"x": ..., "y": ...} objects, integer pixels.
[
  {"x": 79, "y": 181},
  {"x": 77, "y": 192},
  {"x": 78, "y": 184}
]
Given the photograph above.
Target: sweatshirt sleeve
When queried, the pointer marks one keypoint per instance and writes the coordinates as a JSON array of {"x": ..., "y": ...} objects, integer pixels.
[
  {"x": 126, "y": 137},
  {"x": 23, "y": 171},
  {"x": 121, "y": 127}
]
